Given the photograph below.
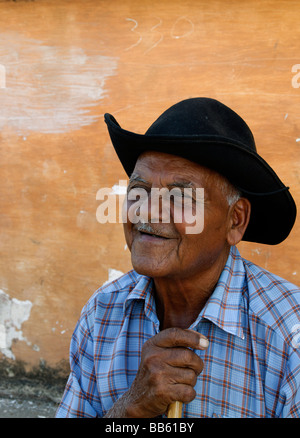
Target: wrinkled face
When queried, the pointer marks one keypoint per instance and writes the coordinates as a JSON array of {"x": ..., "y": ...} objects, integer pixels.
[{"x": 166, "y": 249}]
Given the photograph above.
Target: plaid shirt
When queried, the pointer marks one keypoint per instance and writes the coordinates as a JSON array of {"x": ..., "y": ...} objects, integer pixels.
[{"x": 252, "y": 364}]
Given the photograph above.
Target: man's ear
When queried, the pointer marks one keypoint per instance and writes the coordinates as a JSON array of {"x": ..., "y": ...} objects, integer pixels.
[{"x": 239, "y": 220}]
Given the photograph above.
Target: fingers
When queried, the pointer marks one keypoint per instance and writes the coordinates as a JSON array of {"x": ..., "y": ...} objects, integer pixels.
[
  {"x": 176, "y": 337},
  {"x": 168, "y": 371},
  {"x": 186, "y": 376},
  {"x": 170, "y": 353},
  {"x": 183, "y": 393},
  {"x": 174, "y": 347},
  {"x": 184, "y": 358}
]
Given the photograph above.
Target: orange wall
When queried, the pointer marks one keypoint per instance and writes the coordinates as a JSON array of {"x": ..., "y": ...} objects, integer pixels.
[{"x": 63, "y": 65}]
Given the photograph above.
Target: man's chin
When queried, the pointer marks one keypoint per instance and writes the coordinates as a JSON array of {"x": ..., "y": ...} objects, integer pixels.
[{"x": 147, "y": 268}]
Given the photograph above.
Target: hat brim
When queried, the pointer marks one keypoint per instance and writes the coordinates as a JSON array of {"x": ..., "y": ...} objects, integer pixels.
[{"x": 273, "y": 210}]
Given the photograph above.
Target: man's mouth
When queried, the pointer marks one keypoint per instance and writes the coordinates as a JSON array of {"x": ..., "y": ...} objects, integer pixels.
[
  {"x": 154, "y": 236},
  {"x": 148, "y": 231}
]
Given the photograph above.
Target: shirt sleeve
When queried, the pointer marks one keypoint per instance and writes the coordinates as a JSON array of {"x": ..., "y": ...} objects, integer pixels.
[
  {"x": 81, "y": 397},
  {"x": 290, "y": 389}
]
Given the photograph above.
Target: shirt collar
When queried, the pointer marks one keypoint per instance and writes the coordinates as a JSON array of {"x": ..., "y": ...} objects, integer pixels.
[
  {"x": 224, "y": 307},
  {"x": 143, "y": 290}
]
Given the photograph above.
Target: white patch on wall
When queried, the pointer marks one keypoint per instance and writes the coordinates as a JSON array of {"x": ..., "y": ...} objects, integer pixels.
[
  {"x": 119, "y": 189},
  {"x": 113, "y": 274},
  {"x": 50, "y": 89},
  {"x": 13, "y": 313}
]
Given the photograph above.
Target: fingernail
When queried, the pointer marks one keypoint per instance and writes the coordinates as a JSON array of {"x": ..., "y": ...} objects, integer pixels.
[{"x": 203, "y": 342}]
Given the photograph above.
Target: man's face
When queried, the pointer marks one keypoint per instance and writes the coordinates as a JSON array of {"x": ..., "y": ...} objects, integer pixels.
[{"x": 166, "y": 249}]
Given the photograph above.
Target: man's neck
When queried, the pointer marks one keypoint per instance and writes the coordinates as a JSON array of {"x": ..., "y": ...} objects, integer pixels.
[{"x": 180, "y": 300}]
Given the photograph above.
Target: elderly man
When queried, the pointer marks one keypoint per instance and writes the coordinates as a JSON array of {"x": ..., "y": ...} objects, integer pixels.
[{"x": 193, "y": 321}]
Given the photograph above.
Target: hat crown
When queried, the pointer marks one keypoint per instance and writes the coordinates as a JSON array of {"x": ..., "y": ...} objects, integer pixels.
[{"x": 203, "y": 117}]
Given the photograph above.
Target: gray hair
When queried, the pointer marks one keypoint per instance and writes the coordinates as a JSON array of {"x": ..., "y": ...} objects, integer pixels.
[{"x": 231, "y": 193}]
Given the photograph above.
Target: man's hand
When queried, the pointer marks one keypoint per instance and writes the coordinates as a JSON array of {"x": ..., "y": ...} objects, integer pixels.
[{"x": 168, "y": 372}]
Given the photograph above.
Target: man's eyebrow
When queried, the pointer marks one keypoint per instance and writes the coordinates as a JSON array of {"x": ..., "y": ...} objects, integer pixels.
[
  {"x": 182, "y": 184},
  {"x": 135, "y": 177}
]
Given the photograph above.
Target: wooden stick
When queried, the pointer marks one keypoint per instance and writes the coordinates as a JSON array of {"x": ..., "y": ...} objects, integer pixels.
[{"x": 175, "y": 410}]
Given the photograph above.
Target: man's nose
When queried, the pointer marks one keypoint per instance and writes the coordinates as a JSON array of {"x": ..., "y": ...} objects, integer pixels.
[{"x": 159, "y": 206}]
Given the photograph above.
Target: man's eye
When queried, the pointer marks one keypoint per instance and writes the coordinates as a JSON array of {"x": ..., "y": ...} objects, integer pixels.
[
  {"x": 178, "y": 197},
  {"x": 183, "y": 197},
  {"x": 132, "y": 189},
  {"x": 136, "y": 187},
  {"x": 136, "y": 193}
]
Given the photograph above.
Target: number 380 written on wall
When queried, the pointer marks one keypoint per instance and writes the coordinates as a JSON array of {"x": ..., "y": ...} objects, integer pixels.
[{"x": 181, "y": 28}]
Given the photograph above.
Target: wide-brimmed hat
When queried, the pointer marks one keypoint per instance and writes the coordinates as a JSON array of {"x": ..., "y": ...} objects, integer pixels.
[{"x": 207, "y": 132}]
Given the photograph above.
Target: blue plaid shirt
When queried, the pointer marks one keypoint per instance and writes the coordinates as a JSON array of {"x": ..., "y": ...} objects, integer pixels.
[{"x": 252, "y": 364}]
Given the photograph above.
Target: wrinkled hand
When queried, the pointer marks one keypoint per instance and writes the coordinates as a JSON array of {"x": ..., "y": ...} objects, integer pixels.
[{"x": 167, "y": 373}]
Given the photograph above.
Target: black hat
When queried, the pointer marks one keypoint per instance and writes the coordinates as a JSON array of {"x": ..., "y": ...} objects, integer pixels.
[{"x": 207, "y": 132}]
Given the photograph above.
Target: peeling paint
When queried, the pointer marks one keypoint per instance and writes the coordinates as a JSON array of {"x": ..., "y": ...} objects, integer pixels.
[
  {"x": 13, "y": 313},
  {"x": 119, "y": 189},
  {"x": 50, "y": 89},
  {"x": 113, "y": 274}
]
